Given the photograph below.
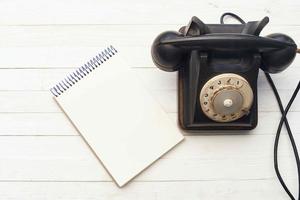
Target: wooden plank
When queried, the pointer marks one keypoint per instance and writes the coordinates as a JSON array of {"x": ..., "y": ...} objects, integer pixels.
[
  {"x": 67, "y": 57},
  {"x": 73, "y": 57},
  {"x": 57, "y": 124},
  {"x": 57, "y": 158},
  {"x": 35, "y": 124},
  {"x": 153, "y": 79},
  {"x": 98, "y": 35},
  {"x": 192, "y": 190},
  {"x": 78, "y": 36},
  {"x": 27, "y": 101},
  {"x": 152, "y": 12},
  {"x": 41, "y": 101}
]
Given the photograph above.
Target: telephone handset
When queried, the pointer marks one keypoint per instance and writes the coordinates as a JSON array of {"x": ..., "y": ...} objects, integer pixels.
[{"x": 170, "y": 48}]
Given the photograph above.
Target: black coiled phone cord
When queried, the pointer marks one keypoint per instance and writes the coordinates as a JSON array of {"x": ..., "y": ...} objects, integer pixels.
[{"x": 282, "y": 120}]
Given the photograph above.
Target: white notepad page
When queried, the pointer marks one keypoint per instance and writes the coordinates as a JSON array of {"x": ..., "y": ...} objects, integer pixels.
[{"x": 120, "y": 121}]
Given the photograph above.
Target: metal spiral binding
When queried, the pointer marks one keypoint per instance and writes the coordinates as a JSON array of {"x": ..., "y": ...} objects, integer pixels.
[{"x": 83, "y": 71}]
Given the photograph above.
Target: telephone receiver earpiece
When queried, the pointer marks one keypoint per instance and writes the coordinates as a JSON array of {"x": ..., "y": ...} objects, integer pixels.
[
  {"x": 278, "y": 60},
  {"x": 167, "y": 57}
]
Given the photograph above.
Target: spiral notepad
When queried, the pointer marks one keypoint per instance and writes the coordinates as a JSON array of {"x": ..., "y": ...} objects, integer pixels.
[{"x": 120, "y": 121}]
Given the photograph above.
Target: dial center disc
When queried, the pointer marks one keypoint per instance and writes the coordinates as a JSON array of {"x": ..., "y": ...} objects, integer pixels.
[{"x": 227, "y": 102}]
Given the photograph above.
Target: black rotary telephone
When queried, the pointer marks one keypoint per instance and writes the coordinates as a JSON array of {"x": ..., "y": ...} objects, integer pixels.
[{"x": 218, "y": 67}]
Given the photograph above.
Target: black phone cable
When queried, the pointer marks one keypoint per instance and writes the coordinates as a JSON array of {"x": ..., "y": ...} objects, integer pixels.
[
  {"x": 282, "y": 120},
  {"x": 233, "y": 16}
]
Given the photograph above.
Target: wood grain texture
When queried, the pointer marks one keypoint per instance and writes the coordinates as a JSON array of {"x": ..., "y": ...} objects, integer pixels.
[
  {"x": 139, "y": 12},
  {"x": 56, "y": 124},
  {"x": 41, "y": 154},
  {"x": 172, "y": 190},
  {"x": 67, "y": 158}
]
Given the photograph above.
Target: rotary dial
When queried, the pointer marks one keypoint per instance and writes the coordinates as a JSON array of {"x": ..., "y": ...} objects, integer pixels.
[{"x": 226, "y": 97}]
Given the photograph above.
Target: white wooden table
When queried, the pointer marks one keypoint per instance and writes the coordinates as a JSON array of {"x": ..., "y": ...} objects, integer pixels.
[{"x": 43, "y": 157}]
